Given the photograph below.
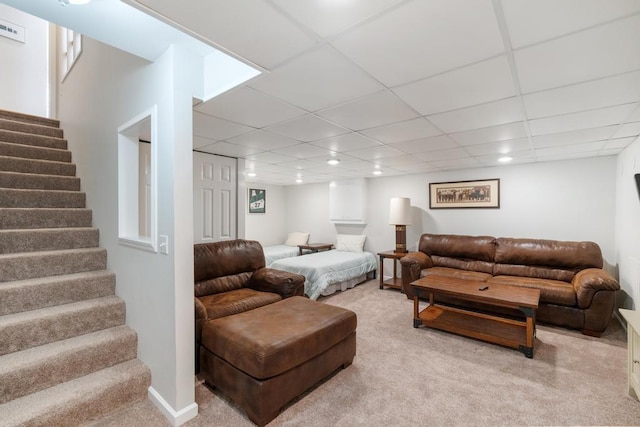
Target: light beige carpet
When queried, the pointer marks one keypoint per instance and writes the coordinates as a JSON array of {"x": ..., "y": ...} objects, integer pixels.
[{"x": 403, "y": 376}]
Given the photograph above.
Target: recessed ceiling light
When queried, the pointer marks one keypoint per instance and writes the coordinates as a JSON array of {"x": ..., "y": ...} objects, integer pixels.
[
  {"x": 251, "y": 174},
  {"x": 377, "y": 172},
  {"x": 298, "y": 181},
  {"x": 505, "y": 159},
  {"x": 333, "y": 162}
]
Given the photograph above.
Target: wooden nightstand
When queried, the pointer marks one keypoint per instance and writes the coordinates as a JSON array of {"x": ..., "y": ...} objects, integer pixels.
[
  {"x": 315, "y": 247},
  {"x": 395, "y": 282}
]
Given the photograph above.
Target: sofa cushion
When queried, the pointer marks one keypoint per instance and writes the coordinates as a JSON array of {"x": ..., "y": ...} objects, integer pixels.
[
  {"x": 221, "y": 284},
  {"x": 270, "y": 340},
  {"x": 236, "y": 301},
  {"x": 453, "y": 272},
  {"x": 551, "y": 291},
  {"x": 545, "y": 259},
  {"x": 473, "y": 253}
]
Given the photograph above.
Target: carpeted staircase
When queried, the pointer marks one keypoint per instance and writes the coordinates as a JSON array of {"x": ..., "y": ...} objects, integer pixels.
[{"x": 66, "y": 355}]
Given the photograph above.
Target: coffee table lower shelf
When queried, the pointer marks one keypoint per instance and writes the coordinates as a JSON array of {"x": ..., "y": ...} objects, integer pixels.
[{"x": 498, "y": 330}]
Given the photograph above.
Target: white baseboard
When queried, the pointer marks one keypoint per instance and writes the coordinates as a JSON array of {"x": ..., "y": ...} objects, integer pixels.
[{"x": 175, "y": 418}]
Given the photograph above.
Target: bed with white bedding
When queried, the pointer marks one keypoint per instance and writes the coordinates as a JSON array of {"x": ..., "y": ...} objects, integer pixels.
[
  {"x": 329, "y": 271},
  {"x": 273, "y": 253}
]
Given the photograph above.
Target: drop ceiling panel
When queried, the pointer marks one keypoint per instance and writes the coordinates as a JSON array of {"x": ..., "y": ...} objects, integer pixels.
[
  {"x": 402, "y": 131},
  {"x": 199, "y": 141},
  {"x": 327, "y": 18},
  {"x": 307, "y": 128},
  {"x": 215, "y": 128},
  {"x": 475, "y": 84},
  {"x": 249, "y": 107},
  {"x": 316, "y": 80},
  {"x": 265, "y": 167},
  {"x": 618, "y": 143},
  {"x": 501, "y": 147},
  {"x": 629, "y": 129},
  {"x": 226, "y": 149},
  {"x": 570, "y": 149},
  {"x": 490, "y": 134},
  {"x": 303, "y": 151},
  {"x": 455, "y": 164},
  {"x": 432, "y": 36},
  {"x": 346, "y": 142},
  {"x": 605, "y": 92},
  {"x": 532, "y": 22},
  {"x": 375, "y": 153},
  {"x": 269, "y": 157},
  {"x": 574, "y": 137},
  {"x": 262, "y": 140},
  {"x": 421, "y": 145},
  {"x": 373, "y": 110},
  {"x": 524, "y": 156},
  {"x": 252, "y": 29},
  {"x": 583, "y": 120},
  {"x": 635, "y": 116},
  {"x": 448, "y": 154},
  {"x": 480, "y": 116},
  {"x": 598, "y": 52}
]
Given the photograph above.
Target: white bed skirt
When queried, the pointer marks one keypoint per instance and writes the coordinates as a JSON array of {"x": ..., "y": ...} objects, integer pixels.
[{"x": 343, "y": 286}]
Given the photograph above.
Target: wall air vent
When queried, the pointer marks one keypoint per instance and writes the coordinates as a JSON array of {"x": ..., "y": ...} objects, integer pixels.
[{"x": 11, "y": 31}]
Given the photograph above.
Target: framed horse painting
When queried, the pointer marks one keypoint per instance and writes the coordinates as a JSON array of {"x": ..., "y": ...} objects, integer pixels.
[{"x": 465, "y": 194}]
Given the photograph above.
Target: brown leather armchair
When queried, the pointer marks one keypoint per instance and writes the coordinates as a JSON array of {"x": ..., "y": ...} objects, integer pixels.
[{"x": 231, "y": 277}]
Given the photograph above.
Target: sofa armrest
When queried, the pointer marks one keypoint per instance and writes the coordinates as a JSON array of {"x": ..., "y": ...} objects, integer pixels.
[
  {"x": 591, "y": 280},
  {"x": 278, "y": 281},
  {"x": 412, "y": 264}
]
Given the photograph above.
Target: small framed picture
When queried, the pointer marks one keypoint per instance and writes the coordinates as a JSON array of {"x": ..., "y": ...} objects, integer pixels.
[
  {"x": 257, "y": 201},
  {"x": 465, "y": 194}
]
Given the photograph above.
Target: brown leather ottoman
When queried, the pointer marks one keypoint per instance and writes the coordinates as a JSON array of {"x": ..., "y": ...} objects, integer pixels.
[{"x": 264, "y": 358}]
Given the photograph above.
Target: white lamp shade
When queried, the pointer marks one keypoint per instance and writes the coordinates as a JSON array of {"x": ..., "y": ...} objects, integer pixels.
[{"x": 400, "y": 211}]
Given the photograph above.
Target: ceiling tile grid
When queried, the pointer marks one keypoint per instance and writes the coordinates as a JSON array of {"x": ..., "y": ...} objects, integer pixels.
[{"x": 414, "y": 86}]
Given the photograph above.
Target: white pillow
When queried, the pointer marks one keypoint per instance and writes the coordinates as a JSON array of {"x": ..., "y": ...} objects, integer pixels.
[
  {"x": 350, "y": 242},
  {"x": 297, "y": 238}
]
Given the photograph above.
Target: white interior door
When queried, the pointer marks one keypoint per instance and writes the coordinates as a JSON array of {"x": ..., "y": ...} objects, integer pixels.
[{"x": 214, "y": 197}]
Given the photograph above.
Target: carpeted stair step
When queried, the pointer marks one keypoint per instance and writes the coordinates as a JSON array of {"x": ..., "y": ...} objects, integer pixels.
[
  {"x": 41, "y": 292},
  {"x": 34, "y": 128},
  {"x": 47, "y": 239},
  {"x": 31, "y": 139},
  {"x": 19, "y": 198},
  {"x": 28, "y": 118},
  {"x": 38, "y": 182},
  {"x": 37, "y": 368},
  {"x": 13, "y": 218},
  {"x": 83, "y": 399},
  {"x": 31, "y": 265},
  {"x": 28, "y": 329},
  {"x": 41, "y": 167},
  {"x": 9, "y": 149}
]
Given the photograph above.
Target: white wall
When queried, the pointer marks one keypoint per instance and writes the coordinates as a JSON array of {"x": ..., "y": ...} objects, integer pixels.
[
  {"x": 628, "y": 226},
  {"x": 24, "y": 70},
  {"x": 269, "y": 228},
  {"x": 568, "y": 200},
  {"x": 105, "y": 89}
]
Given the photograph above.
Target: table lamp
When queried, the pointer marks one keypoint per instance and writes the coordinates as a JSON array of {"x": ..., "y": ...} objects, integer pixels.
[{"x": 400, "y": 216}]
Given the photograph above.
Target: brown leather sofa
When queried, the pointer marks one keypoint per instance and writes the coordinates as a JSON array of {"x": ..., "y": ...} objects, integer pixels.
[
  {"x": 231, "y": 277},
  {"x": 575, "y": 291}
]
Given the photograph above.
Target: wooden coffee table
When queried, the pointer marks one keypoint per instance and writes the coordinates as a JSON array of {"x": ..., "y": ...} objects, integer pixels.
[{"x": 494, "y": 328}]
